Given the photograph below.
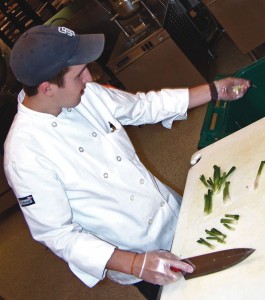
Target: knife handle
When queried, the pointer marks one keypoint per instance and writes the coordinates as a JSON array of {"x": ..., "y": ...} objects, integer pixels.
[
  {"x": 186, "y": 260},
  {"x": 175, "y": 269}
]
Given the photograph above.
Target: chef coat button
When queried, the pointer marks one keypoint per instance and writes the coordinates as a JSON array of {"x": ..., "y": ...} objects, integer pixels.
[
  {"x": 132, "y": 197},
  {"x": 54, "y": 124},
  {"x": 94, "y": 134},
  {"x": 150, "y": 221},
  {"x": 162, "y": 203},
  {"x": 142, "y": 181},
  {"x": 105, "y": 175},
  {"x": 69, "y": 109},
  {"x": 81, "y": 149},
  {"x": 118, "y": 158}
]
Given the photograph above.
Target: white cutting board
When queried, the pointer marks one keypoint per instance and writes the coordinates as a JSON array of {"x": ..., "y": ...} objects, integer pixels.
[{"x": 244, "y": 149}]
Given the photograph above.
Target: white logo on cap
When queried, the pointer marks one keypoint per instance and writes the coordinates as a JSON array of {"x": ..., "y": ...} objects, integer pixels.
[{"x": 67, "y": 31}]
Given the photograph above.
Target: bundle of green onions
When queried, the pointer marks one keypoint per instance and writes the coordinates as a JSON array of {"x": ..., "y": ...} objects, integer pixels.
[
  {"x": 216, "y": 235},
  {"x": 228, "y": 220},
  {"x": 213, "y": 235},
  {"x": 214, "y": 185}
]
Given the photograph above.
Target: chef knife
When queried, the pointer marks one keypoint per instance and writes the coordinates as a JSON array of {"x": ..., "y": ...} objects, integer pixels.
[{"x": 215, "y": 261}]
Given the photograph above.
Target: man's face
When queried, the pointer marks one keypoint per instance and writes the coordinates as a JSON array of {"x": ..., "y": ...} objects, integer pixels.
[{"x": 75, "y": 80}]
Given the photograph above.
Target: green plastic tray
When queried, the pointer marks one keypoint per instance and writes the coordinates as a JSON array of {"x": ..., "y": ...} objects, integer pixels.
[{"x": 223, "y": 118}]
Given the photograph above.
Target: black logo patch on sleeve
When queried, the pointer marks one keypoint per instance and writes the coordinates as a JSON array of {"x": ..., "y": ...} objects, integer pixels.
[{"x": 26, "y": 201}]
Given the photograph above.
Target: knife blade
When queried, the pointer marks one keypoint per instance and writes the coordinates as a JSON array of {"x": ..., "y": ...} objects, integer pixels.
[{"x": 214, "y": 262}]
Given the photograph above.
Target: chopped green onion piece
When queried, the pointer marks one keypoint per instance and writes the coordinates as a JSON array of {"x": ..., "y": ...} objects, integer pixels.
[
  {"x": 216, "y": 175},
  {"x": 226, "y": 195},
  {"x": 208, "y": 202},
  {"x": 203, "y": 180},
  {"x": 216, "y": 233},
  {"x": 214, "y": 185},
  {"x": 219, "y": 240},
  {"x": 229, "y": 221},
  {"x": 210, "y": 232},
  {"x": 230, "y": 171},
  {"x": 204, "y": 242},
  {"x": 237, "y": 89},
  {"x": 256, "y": 183},
  {"x": 228, "y": 226},
  {"x": 235, "y": 217},
  {"x": 222, "y": 180},
  {"x": 210, "y": 183}
]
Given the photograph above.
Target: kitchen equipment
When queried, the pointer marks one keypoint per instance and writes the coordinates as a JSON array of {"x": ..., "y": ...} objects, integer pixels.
[
  {"x": 187, "y": 36},
  {"x": 133, "y": 17},
  {"x": 124, "y": 8},
  {"x": 169, "y": 51},
  {"x": 155, "y": 62},
  {"x": 244, "y": 149},
  {"x": 215, "y": 261}
]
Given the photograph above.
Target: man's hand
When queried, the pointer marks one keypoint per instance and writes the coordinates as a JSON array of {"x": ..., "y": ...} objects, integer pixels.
[
  {"x": 231, "y": 88},
  {"x": 154, "y": 267}
]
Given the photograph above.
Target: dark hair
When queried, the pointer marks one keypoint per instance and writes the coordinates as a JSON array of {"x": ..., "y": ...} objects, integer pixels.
[{"x": 57, "y": 79}]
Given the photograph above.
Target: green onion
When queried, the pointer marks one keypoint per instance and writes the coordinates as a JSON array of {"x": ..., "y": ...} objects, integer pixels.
[
  {"x": 210, "y": 232},
  {"x": 256, "y": 183},
  {"x": 230, "y": 171},
  {"x": 208, "y": 202},
  {"x": 237, "y": 89},
  {"x": 226, "y": 195},
  {"x": 217, "y": 232},
  {"x": 225, "y": 175},
  {"x": 214, "y": 232},
  {"x": 211, "y": 183},
  {"x": 228, "y": 226},
  {"x": 204, "y": 242},
  {"x": 214, "y": 185},
  {"x": 235, "y": 217},
  {"x": 203, "y": 180},
  {"x": 229, "y": 221},
  {"x": 216, "y": 238},
  {"x": 216, "y": 176}
]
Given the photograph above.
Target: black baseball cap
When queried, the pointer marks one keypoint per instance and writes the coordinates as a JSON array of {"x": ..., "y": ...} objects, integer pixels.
[{"x": 43, "y": 51}]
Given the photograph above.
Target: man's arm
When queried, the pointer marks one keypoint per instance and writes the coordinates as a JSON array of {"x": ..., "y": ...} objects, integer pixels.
[
  {"x": 122, "y": 261},
  {"x": 199, "y": 95}
]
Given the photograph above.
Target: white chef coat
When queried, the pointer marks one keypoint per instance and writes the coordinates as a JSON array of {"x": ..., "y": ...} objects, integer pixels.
[{"x": 81, "y": 186}]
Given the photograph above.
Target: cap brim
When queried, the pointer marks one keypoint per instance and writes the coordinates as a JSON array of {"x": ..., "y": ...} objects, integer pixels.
[{"x": 89, "y": 48}]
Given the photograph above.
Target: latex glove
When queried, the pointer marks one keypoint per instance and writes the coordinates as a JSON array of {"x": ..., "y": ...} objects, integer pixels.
[
  {"x": 232, "y": 88},
  {"x": 155, "y": 267}
]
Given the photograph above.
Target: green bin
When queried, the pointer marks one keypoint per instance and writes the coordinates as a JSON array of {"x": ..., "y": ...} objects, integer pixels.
[{"x": 223, "y": 118}]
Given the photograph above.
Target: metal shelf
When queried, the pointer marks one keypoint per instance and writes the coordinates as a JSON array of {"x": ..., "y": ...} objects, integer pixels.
[{"x": 16, "y": 16}]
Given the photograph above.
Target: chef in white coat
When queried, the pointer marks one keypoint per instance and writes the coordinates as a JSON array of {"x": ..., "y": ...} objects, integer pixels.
[{"x": 81, "y": 187}]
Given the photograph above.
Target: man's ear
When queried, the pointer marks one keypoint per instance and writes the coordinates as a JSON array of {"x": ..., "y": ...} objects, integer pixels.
[{"x": 46, "y": 88}]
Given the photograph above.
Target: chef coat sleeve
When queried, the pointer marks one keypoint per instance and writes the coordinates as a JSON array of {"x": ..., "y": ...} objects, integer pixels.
[
  {"x": 48, "y": 214},
  {"x": 166, "y": 105}
]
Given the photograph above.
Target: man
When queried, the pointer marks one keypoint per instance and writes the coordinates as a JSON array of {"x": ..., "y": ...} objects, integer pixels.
[{"x": 80, "y": 185}]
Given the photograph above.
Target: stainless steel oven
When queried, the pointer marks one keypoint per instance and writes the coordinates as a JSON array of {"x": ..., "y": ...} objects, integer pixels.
[{"x": 153, "y": 63}]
